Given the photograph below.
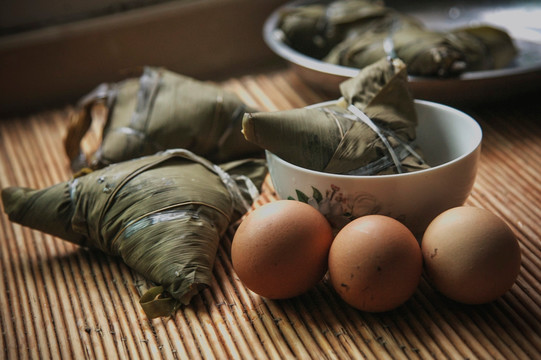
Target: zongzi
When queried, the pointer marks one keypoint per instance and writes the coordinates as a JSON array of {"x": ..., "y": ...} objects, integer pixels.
[
  {"x": 368, "y": 131},
  {"x": 356, "y": 33},
  {"x": 160, "y": 110},
  {"x": 163, "y": 215}
]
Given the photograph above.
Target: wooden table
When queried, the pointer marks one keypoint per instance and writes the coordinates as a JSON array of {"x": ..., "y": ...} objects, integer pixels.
[{"x": 60, "y": 301}]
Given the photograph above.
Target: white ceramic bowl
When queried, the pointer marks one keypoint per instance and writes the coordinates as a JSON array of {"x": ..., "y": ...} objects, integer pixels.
[{"x": 451, "y": 144}]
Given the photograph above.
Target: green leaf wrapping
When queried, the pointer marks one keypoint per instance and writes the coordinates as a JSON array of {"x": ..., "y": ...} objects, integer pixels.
[
  {"x": 353, "y": 33},
  {"x": 162, "y": 214},
  {"x": 330, "y": 138},
  {"x": 160, "y": 110}
]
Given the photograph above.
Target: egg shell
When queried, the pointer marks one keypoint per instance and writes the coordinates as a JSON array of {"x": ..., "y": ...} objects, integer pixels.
[
  {"x": 471, "y": 255},
  {"x": 280, "y": 249},
  {"x": 375, "y": 263}
]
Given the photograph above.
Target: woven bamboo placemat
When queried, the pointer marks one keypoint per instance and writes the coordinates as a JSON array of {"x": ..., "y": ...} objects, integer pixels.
[{"x": 59, "y": 301}]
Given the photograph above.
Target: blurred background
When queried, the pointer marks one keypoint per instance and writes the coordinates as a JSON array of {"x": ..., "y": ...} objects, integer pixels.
[{"x": 53, "y": 52}]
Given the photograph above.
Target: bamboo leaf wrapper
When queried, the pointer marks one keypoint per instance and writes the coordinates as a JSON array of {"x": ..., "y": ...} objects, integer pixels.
[
  {"x": 333, "y": 139},
  {"x": 162, "y": 214},
  {"x": 354, "y": 33},
  {"x": 160, "y": 110}
]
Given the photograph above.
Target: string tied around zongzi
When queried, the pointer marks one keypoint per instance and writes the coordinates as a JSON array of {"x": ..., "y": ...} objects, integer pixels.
[
  {"x": 163, "y": 215},
  {"x": 396, "y": 154},
  {"x": 382, "y": 134},
  {"x": 159, "y": 110}
]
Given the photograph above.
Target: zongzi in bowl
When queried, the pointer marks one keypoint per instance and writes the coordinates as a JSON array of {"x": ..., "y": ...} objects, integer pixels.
[
  {"x": 375, "y": 150},
  {"x": 451, "y": 144}
]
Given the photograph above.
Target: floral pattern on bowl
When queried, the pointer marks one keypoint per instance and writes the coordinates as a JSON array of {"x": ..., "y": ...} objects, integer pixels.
[{"x": 340, "y": 209}]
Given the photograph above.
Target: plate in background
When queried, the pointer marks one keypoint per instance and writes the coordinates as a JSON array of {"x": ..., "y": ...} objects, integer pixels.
[{"x": 519, "y": 18}]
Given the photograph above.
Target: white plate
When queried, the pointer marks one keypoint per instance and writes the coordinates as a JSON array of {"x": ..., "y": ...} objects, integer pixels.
[{"x": 520, "y": 18}]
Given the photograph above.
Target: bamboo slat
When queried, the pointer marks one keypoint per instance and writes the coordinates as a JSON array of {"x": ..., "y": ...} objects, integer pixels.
[{"x": 59, "y": 301}]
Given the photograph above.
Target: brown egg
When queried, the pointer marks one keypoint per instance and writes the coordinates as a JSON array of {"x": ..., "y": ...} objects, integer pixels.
[
  {"x": 471, "y": 255},
  {"x": 375, "y": 263},
  {"x": 280, "y": 249}
]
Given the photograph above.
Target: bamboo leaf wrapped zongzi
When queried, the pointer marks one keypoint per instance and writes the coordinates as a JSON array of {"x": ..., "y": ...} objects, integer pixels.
[
  {"x": 160, "y": 110},
  {"x": 357, "y": 33},
  {"x": 163, "y": 215},
  {"x": 368, "y": 131}
]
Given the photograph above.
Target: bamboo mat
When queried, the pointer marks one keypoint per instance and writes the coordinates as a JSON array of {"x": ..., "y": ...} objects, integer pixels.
[{"x": 59, "y": 301}]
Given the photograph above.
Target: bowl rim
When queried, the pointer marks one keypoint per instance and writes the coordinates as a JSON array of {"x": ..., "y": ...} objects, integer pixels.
[{"x": 475, "y": 126}]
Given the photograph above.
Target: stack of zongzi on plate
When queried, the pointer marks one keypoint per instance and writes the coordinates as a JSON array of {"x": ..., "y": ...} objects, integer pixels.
[{"x": 357, "y": 33}]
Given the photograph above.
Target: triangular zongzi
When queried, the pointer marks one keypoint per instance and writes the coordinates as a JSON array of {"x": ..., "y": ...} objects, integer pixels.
[
  {"x": 160, "y": 110},
  {"x": 368, "y": 131},
  {"x": 162, "y": 214}
]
